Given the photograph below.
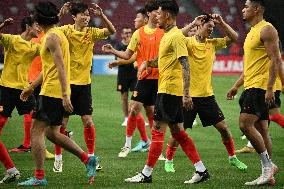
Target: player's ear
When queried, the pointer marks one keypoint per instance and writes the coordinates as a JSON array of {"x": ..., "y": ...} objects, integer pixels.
[
  {"x": 27, "y": 27},
  {"x": 73, "y": 17}
]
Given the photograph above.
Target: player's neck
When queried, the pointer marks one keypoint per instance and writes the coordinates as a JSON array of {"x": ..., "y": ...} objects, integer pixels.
[
  {"x": 79, "y": 28},
  {"x": 255, "y": 20},
  {"x": 200, "y": 38},
  {"x": 151, "y": 24},
  {"x": 45, "y": 29},
  {"x": 124, "y": 42},
  {"x": 26, "y": 36},
  {"x": 171, "y": 23}
]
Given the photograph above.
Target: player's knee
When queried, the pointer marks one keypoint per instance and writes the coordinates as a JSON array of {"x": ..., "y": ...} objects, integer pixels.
[
  {"x": 149, "y": 113},
  {"x": 243, "y": 127},
  {"x": 87, "y": 121},
  {"x": 133, "y": 111},
  {"x": 89, "y": 124}
]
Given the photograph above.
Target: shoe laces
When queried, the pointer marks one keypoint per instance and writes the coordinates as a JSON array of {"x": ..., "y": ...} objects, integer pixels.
[
  {"x": 267, "y": 171},
  {"x": 124, "y": 149},
  {"x": 58, "y": 164},
  {"x": 139, "y": 176},
  {"x": 195, "y": 176}
]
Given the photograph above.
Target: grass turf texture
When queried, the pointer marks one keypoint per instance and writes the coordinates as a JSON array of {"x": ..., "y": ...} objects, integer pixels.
[{"x": 110, "y": 138}]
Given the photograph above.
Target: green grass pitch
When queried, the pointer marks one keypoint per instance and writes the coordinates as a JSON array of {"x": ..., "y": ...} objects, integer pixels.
[{"x": 108, "y": 116}]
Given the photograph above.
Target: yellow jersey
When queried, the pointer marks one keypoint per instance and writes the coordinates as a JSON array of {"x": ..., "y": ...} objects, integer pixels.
[
  {"x": 19, "y": 55},
  {"x": 201, "y": 59},
  {"x": 51, "y": 86},
  {"x": 172, "y": 47},
  {"x": 278, "y": 84},
  {"x": 81, "y": 44},
  {"x": 256, "y": 60}
]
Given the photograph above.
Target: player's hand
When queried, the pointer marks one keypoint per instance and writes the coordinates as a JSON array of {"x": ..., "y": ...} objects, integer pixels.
[
  {"x": 8, "y": 22},
  {"x": 26, "y": 93},
  {"x": 142, "y": 67},
  {"x": 135, "y": 65},
  {"x": 198, "y": 20},
  {"x": 269, "y": 97},
  {"x": 232, "y": 93},
  {"x": 217, "y": 18},
  {"x": 187, "y": 102},
  {"x": 67, "y": 104},
  {"x": 113, "y": 64},
  {"x": 64, "y": 9},
  {"x": 107, "y": 48},
  {"x": 96, "y": 10}
]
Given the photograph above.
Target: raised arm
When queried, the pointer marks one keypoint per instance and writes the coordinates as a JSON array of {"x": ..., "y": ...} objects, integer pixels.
[
  {"x": 232, "y": 35},
  {"x": 122, "y": 61},
  {"x": 4, "y": 24},
  {"x": 64, "y": 9},
  {"x": 196, "y": 22},
  {"x": 108, "y": 48},
  {"x": 53, "y": 44},
  {"x": 99, "y": 12},
  {"x": 270, "y": 39}
]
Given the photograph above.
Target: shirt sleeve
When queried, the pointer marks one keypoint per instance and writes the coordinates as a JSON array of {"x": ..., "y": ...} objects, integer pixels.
[
  {"x": 179, "y": 46},
  {"x": 220, "y": 43},
  {"x": 65, "y": 29},
  {"x": 6, "y": 39},
  {"x": 99, "y": 33},
  {"x": 188, "y": 42},
  {"x": 134, "y": 42}
]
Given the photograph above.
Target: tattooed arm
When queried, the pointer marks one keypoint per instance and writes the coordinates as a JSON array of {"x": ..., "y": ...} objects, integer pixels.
[{"x": 187, "y": 101}]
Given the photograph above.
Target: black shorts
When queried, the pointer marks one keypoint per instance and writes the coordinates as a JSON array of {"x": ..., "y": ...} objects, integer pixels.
[
  {"x": 126, "y": 84},
  {"x": 49, "y": 110},
  {"x": 252, "y": 101},
  {"x": 168, "y": 108},
  {"x": 208, "y": 110},
  {"x": 146, "y": 92},
  {"x": 10, "y": 98},
  {"x": 81, "y": 99},
  {"x": 277, "y": 102},
  {"x": 36, "y": 93}
]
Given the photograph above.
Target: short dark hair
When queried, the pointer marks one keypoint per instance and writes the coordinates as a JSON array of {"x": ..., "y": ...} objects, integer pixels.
[
  {"x": 125, "y": 27},
  {"x": 260, "y": 2},
  {"x": 151, "y": 5},
  {"x": 77, "y": 8},
  {"x": 142, "y": 11},
  {"x": 46, "y": 13},
  {"x": 207, "y": 18},
  {"x": 170, "y": 6},
  {"x": 27, "y": 21}
]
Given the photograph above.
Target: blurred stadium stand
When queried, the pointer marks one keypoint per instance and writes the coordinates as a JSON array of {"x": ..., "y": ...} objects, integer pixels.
[{"x": 122, "y": 13}]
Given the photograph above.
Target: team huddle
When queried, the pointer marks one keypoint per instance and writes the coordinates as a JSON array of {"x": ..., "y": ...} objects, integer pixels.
[{"x": 46, "y": 77}]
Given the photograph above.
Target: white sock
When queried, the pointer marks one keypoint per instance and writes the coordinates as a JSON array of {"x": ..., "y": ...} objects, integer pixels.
[
  {"x": 230, "y": 157},
  {"x": 169, "y": 160},
  {"x": 12, "y": 170},
  {"x": 128, "y": 141},
  {"x": 147, "y": 171},
  {"x": 126, "y": 119},
  {"x": 58, "y": 157},
  {"x": 89, "y": 155},
  {"x": 265, "y": 160},
  {"x": 199, "y": 166},
  {"x": 249, "y": 145}
]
